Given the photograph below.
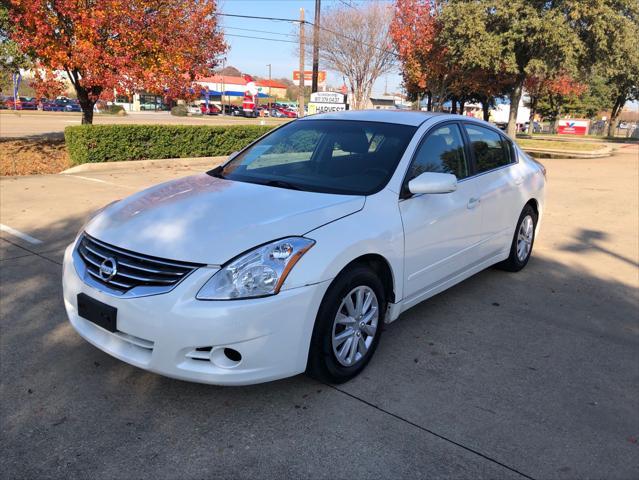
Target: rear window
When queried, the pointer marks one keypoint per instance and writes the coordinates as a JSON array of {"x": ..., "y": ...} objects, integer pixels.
[{"x": 490, "y": 148}]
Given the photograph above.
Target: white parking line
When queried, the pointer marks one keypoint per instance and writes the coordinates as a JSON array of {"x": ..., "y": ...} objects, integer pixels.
[
  {"x": 19, "y": 234},
  {"x": 99, "y": 181}
]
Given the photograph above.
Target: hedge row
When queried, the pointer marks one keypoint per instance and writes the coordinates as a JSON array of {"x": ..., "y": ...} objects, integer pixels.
[{"x": 112, "y": 143}]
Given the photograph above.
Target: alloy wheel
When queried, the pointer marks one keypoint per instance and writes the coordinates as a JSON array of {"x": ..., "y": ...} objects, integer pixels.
[
  {"x": 525, "y": 238},
  {"x": 355, "y": 325}
]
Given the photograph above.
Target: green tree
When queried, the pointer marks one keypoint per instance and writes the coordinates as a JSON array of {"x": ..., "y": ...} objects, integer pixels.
[
  {"x": 12, "y": 59},
  {"x": 512, "y": 38},
  {"x": 609, "y": 30}
]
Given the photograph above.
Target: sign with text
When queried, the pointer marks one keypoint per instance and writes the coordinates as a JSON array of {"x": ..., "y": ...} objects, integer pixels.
[
  {"x": 327, "y": 97},
  {"x": 322, "y": 102},
  {"x": 571, "y": 126},
  {"x": 314, "y": 108},
  {"x": 308, "y": 78}
]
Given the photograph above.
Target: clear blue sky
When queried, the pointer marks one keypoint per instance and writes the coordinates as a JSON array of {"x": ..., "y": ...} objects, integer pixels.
[{"x": 252, "y": 55}]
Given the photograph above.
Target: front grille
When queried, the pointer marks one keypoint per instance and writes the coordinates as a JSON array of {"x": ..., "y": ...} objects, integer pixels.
[{"x": 132, "y": 269}]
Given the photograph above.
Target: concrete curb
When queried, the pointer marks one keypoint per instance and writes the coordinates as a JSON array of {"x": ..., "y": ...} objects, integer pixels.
[
  {"x": 605, "y": 151},
  {"x": 166, "y": 162}
]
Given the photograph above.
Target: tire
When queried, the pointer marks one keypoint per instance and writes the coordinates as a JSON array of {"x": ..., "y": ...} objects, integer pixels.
[
  {"x": 324, "y": 361},
  {"x": 519, "y": 254}
]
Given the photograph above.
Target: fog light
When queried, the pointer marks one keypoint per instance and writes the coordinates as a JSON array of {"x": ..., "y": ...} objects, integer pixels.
[
  {"x": 225, "y": 357},
  {"x": 232, "y": 355}
]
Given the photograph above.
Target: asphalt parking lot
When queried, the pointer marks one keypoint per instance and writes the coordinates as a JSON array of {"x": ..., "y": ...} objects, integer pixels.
[{"x": 528, "y": 375}]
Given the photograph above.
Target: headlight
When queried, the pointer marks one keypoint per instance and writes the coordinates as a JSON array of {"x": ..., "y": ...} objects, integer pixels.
[{"x": 257, "y": 273}]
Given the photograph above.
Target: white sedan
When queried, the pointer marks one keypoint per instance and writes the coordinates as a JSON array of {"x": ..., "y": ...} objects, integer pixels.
[{"x": 291, "y": 256}]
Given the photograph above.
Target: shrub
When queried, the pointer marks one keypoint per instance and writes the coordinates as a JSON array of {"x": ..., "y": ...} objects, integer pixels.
[
  {"x": 111, "y": 109},
  {"x": 112, "y": 143},
  {"x": 179, "y": 111},
  {"x": 115, "y": 110}
]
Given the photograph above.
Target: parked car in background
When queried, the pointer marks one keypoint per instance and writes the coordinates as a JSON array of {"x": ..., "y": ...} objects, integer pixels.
[
  {"x": 11, "y": 104},
  {"x": 254, "y": 113},
  {"x": 28, "y": 103},
  {"x": 292, "y": 255},
  {"x": 193, "y": 109},
  {"x": 233, "y": 110},
  {"x": 60, "y": 105},
  {"x": 51, "y": 105},
  {"x": 72, "y": 106},
  {"x": 281, "y": 112},
  {"x": 211, "y": 109}
]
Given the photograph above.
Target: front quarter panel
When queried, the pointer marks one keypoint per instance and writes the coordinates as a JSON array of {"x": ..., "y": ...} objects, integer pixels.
[{"x": 376, "y": 229}]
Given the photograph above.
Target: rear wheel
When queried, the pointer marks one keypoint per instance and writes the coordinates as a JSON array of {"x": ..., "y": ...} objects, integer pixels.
[
  {"x": 348, "y": 326},
  {"x": 522, "y": 244}
]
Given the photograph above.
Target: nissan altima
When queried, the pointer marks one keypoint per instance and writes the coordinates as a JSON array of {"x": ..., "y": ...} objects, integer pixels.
[{"x": 292, "y": 255}]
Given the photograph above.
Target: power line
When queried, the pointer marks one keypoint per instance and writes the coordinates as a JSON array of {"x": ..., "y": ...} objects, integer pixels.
[
  {"x": 277, "y": 19},
  {"x": 348, "y": 4},
  {"x": 259, "y": 31},
  {"x": 259, "y": 38}
]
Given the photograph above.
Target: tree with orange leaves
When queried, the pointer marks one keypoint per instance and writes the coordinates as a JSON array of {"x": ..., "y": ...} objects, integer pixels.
[
  {"x": 126, "y": 45},
  {"x": 549, "y": 87},
  {"x": 47, "y": 84},
  {"x": 414, "y": 31},
  {"x": 426, "y": 66}
]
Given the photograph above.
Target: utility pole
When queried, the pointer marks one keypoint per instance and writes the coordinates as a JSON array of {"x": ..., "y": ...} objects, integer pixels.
[
  {"x": 300, "y": 95},
  {"x": 269, "y": 82},
  {"x": 316, "y": 32}
]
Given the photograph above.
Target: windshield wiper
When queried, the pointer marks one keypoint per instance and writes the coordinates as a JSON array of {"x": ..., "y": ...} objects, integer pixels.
[{"x": 280, "y": 184}]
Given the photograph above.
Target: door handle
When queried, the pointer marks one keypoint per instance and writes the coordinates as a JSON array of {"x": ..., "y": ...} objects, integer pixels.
[
  {"x": 473, "y": 202},
  {"x": 519, "y": 180}
]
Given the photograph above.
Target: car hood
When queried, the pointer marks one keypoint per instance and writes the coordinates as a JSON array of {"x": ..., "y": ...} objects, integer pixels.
[{"x": 209, "y": 220}]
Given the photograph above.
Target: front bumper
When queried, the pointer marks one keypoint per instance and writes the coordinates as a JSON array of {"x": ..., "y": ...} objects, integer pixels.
[{"x": 162, "y": 333}]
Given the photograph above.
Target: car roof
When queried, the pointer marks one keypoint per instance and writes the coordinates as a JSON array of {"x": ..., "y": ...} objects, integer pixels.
[{"x": 402, "y": 117}]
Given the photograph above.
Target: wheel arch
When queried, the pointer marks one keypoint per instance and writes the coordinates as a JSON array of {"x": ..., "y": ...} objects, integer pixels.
[
  {"x": 382, "y": 268},
  {"x": 534, "y": 204}
]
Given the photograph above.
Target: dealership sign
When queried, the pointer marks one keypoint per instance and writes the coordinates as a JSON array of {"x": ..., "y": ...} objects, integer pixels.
[
  {"x": 308, "y": 77},
  {"x": 322, "y": 102},
  {"x": 571, "y": 126}
]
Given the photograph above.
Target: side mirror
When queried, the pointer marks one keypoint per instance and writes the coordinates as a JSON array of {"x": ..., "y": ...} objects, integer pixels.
[{"x": 432, "y": 182}]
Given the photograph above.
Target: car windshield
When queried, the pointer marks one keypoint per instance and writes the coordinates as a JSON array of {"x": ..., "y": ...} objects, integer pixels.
[{"x": 329, "y": 156}]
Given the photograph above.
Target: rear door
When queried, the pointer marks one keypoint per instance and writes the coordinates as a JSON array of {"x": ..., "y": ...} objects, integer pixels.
[
  {"x": 441, "y": 231},
  {"x": 498, "y": 178}
]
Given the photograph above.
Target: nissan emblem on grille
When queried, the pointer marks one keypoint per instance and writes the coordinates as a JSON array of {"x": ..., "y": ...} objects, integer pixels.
[{"x": 108, "y": 269}]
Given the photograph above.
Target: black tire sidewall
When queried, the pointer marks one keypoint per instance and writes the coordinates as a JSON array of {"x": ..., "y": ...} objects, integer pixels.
[{"x": 322, "y": 360}]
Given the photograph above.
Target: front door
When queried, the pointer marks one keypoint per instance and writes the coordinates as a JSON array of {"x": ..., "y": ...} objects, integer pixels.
[{"x": 441, "y": 231}]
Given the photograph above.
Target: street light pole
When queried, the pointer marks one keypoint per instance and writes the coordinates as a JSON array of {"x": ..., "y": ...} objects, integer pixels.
[
  {"x": 316, "y": 32},
  {"x": 300, "y": 95}
]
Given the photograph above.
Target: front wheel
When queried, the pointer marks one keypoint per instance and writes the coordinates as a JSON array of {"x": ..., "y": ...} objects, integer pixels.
[
  {"x": 348, "y": 326},
  {"x": 522, "y": 244}
]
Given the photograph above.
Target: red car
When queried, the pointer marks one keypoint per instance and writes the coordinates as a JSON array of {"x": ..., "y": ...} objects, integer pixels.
[
  {"x": 212, "y": 110},
  {"x": 11, "y": 104},
  {"x": 287, "y": 112}
]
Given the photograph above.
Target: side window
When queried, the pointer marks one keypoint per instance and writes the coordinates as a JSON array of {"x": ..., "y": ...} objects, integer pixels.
[
  {"x": 490, "y": 148},
  {"x": 442, "y": 151}
]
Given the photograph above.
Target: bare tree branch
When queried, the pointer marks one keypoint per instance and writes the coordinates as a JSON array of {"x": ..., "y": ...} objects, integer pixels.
[{"x": 356, "y": 43}]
